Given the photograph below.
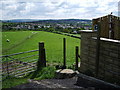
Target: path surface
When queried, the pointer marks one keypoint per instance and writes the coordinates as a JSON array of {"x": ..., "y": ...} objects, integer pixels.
[{"x": 52, "y": 83}]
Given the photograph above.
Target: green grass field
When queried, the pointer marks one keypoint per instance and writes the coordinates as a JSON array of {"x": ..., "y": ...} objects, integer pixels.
[{"x": 28, "y": 40}]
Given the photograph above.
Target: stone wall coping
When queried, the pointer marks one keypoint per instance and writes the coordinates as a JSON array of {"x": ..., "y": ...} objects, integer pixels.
[
  {"x": 87, "y": 31},
  {"x": 108, "y": 40}
]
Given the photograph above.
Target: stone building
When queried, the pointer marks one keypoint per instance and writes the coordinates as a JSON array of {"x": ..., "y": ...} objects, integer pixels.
[{"x": 109, "y": 26}]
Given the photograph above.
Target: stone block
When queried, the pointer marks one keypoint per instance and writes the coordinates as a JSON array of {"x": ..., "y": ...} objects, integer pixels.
[
  {"x": 114, "y": 47},
  {"x": 112, "y": 54},
  {"x": 64, "y": 73}
]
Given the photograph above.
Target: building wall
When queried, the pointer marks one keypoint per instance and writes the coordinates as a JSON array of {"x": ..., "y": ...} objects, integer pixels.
[
  {"x": 109, "y": 57},
  {"x": 104, "y": 24}
]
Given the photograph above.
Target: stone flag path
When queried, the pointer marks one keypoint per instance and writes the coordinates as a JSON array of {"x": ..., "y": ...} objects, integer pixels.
[{"x": 53, "y": 84}]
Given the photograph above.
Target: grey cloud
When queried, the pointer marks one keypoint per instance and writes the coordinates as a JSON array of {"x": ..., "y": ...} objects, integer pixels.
[
  {"x": 51, "y": 9},
  {"x": 62, "y": 4}
]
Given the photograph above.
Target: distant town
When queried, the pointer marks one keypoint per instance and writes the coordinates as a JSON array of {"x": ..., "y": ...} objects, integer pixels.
[{"x": 63, "y": 25}]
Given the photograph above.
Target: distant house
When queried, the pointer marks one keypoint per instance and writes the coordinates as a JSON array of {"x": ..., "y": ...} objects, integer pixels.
[{"x": 74, "y": 32}]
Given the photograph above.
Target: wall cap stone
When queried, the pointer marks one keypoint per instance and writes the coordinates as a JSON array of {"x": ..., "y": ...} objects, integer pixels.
[
  {"x": 87, "y": 31},
  {"x": 107, "y": 40}
]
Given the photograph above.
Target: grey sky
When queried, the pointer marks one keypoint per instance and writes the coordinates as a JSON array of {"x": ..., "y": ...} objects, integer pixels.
[{"x": 59, "y": 9}]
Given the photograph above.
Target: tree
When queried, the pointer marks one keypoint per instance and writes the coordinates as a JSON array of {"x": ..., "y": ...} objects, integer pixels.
[
  {"x": 35, "y": 27},
  {"x": 51, "y": 29},
  {"x": 66, "y": 30}
]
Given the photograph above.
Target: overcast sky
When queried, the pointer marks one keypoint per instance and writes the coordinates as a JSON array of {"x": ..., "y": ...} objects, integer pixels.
[{"x": 57, "y": 9}]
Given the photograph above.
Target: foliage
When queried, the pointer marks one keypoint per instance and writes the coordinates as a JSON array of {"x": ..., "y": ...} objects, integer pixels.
[{"x": 66, "y": 30}]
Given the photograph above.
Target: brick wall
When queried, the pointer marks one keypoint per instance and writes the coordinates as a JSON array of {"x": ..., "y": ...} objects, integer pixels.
[{"x": 109, "y": 57}]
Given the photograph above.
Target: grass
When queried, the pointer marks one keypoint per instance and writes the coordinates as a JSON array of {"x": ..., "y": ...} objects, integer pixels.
[
  {"x": 28, "y": 40},
  {"x": 15, "y": 40},
  {"x": 12, "y": 81},
  {"x": 45, "y": 73},
  {"x": 20, "y": 41}
]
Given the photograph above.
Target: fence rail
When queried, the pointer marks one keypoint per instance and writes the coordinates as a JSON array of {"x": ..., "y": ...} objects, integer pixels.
[
  {"x": 22, "y": 63},
  {"x": 18, "y": 53},
  {"x": 17, "y": 65}
]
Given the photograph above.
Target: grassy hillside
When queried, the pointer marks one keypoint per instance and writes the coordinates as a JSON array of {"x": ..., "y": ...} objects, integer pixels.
[{"x": 28, "y": 40}]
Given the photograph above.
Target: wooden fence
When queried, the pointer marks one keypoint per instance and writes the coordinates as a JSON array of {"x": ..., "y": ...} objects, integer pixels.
[
  {"x": 20, "y": 64},
  {"x": 16, "y": 65}
]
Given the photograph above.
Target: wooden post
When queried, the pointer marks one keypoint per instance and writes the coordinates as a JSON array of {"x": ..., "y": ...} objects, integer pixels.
[
  {"x": 42, "y": 56},
  {"x": 76, "y": 66},
  {"x": 98, "y": 49},
  {"x": 64, "y": 53}
]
